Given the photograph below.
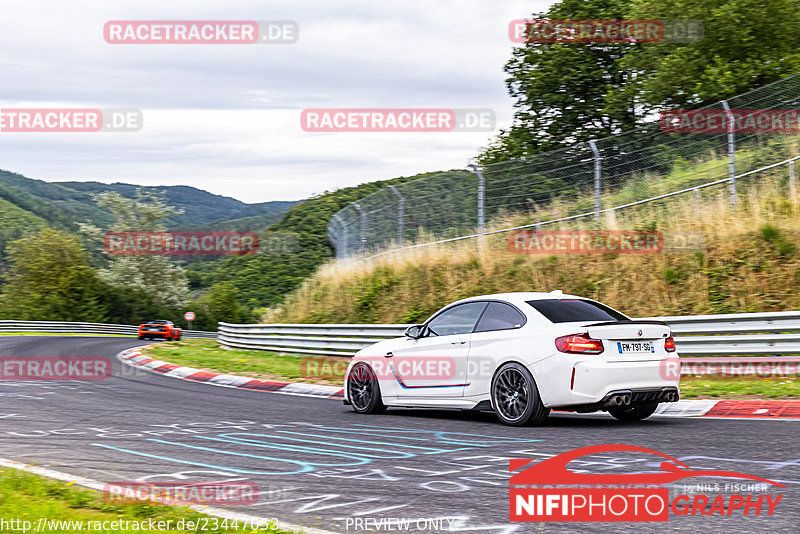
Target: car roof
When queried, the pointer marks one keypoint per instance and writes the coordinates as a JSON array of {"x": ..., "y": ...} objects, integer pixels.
[{"x": 520, "y": 297}]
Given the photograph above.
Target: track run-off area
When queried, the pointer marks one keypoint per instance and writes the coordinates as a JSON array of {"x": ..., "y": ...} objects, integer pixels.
[{"x": 319, "y": 465}]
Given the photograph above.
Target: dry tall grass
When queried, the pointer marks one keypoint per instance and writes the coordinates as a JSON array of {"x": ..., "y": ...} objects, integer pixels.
[{"x": 749, "y": 262}]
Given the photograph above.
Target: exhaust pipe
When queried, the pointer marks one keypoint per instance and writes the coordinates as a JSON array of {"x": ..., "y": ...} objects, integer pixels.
[
  {"x": 616, "y": 400},
  {"x": 672, "y": 396}
]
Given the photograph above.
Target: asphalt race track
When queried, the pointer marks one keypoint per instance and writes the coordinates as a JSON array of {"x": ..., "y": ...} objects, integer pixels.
[{"x": 320, "y": 465}]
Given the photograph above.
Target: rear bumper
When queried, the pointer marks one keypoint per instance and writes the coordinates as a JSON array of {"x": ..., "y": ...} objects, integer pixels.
[
  {"x": 582, "y": 381},
  {"x": 623, "y": 398},
  {"x": 156, "y": 334}
]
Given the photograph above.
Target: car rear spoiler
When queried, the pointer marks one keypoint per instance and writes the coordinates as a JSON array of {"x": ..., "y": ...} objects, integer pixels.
[{"x": 628, "y": 321}]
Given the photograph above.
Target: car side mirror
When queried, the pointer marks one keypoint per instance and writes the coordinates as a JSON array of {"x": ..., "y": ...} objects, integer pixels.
[{"x": 414, "y": 332}]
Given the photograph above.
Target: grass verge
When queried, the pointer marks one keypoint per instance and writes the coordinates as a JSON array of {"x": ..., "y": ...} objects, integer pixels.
[
  {"x": 28, "y": 497},
  {"x": 205, "y": 354},
  {"x": 777, "y": 387}
]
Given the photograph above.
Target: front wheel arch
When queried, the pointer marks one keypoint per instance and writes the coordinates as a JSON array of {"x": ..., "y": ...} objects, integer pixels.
[{"x": 372, "y": 402}]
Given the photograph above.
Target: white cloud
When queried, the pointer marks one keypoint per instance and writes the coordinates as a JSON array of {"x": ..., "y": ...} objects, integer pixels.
[{"x": 226, "y": 117}]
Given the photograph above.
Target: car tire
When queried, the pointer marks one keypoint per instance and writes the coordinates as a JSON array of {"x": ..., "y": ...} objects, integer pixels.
[
  {"x": 141, "y": 338},
  {"x": 634, "y": 413},
  {"x": 515, "y": 397},
  {"x": 363, "y": 390},
  {"x": 178, "y": 338}
]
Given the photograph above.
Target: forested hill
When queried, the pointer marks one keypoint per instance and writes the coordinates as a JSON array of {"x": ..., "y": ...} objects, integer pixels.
[
  {"x": 264, "y": 279},
  {"x": 65, "y": 203}
]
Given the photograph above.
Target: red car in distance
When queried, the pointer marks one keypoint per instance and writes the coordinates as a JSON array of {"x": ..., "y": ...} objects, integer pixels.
[{"x": 160, "y": 329}]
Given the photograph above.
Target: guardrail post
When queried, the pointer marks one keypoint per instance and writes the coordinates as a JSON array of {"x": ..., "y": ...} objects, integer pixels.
[
  {"x": 481, "y": 193},
  {"x": 362, "y": 228},
  {"x": 401, "y": 209},
  {"x": 792, "y": 183},
  {"x": 597, "y": 173},
  {"x": 696, "y": 203},
  {"x": 731, "y": 152}
]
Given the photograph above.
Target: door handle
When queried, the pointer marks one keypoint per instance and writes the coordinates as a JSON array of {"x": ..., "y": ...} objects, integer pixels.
[
  {"x": 389, "y": 355},
  {"x": 458, "y": 341}
]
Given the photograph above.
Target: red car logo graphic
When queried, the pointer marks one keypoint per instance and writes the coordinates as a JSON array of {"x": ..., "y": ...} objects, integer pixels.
[{"x": 554, "y": 470}]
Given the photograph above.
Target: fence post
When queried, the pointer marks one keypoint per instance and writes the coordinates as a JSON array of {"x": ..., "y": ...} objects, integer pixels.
[
  {"x": 401, "y": 209},
  {"x": 334, "y": 238},
  {"x": 343, "y": 252},
  {"x": 792, "y": 183},
  {"x": 481, "y": 193},
  {"x": 362, "y": 228},
  {"x": 597, "y": 171},
  {"x": 731, "y": 152}
]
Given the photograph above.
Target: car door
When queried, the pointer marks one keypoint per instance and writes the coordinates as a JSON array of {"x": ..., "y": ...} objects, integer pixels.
[
  {"x": 497, "y": 335},
  {"x": 435, "y": 365}
]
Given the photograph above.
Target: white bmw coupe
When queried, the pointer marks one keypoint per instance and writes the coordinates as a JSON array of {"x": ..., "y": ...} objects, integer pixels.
[{"x": 521, "y": 355}]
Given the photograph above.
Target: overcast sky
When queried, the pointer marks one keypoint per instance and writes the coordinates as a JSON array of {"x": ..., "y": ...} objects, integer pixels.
[{"x": 226, "y": 118}]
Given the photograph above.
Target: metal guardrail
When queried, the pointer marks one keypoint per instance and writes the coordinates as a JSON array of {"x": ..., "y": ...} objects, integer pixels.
[
  {"x": 318, "y": 339},
  {"x": 58, "y": 327},
  {"x": 741, "y": 334}
]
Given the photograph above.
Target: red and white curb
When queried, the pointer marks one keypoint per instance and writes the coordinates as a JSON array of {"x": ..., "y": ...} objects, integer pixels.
[
  {"x": 738, "y": 409},
  {"x": 135, "y": 358}
]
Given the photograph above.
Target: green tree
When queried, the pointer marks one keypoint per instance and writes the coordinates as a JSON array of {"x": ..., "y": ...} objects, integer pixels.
[
  {"x": 568, "y": 92},
  {"x": 220, "y": 304},
  {"x": 746, "y": 44},
  {"x": 559, "y": 89},
  {"x": 157, "y": 276},
  {"x": 49, "y": 279},
  {"x": 131, "y": 305}
]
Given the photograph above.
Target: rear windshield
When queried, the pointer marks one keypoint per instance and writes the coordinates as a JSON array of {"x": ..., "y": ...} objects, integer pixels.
[{"x": 570, "y": 310}]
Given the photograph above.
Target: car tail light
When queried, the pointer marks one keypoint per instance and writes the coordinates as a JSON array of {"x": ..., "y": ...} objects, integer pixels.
[
  {"x": 669, "y": 344},
  {"x": 579, "y": 344}
]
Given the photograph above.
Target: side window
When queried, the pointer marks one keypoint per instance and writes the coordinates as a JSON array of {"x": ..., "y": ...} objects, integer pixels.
[
  {"x": 460, "y": 319},
  {"x": 499, "y": 316}
]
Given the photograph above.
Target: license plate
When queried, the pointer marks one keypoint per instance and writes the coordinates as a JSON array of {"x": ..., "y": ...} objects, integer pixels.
[{"x": 635, "y": 347}]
